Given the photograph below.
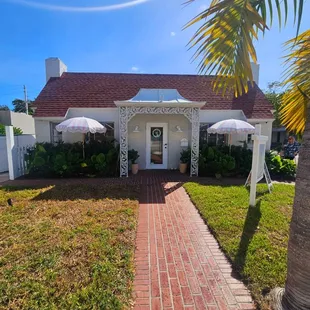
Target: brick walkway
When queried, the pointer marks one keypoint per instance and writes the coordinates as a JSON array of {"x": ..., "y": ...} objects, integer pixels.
[{"x": 178, "y": 262}]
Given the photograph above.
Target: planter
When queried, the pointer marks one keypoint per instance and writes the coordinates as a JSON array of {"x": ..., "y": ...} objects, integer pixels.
[
  {"x": 183, "y": 168},
  {"x": 134, "y": 168}
]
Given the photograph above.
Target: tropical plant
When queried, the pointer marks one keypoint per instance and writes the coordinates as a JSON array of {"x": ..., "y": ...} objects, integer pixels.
[
  {"x": 133, "y": 156},
  {"x": 275, "y": 95},
  {"x": 4, "y": 108},
  {"x": 279, "y": 166},
  {"x": 17, "y": 131},
  {"x": 225, "y": 46},
  {"x": 185, "y": 156},
  {"x": 19, "y": 106},
  {"x": 99, "y": 162},
  {"x": 65, "y": 160}
]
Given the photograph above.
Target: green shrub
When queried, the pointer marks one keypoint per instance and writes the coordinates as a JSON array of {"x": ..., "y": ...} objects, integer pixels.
[
  {"x": 185, "y": 156},
  {"x": 212, "y": 161},
  {"x": 133, "y": 156},
  {"x": 17, "y": 131},
  {"x": 279, "y": 166},
  {"x": 237, "y": 161},
  {"x": 99, "y": 162},
  {"x": 66, "y": 160}
]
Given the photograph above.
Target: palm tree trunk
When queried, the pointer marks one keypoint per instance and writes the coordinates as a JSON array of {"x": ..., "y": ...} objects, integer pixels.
[{"x": 296, "y": 295}]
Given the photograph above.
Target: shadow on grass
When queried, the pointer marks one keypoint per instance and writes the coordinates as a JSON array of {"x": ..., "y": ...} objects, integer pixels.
[
  {"x": 250, "y": 226},
  {"x": 258, "y": 194},
  {"x": 89, "y": 192}
]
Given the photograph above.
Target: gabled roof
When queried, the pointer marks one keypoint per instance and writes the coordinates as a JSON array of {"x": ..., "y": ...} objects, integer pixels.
[{"x": 101, "y": 90}]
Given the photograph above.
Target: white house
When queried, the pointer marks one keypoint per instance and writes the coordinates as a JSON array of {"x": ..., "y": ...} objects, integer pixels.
[{"x": 156, "y": 114}]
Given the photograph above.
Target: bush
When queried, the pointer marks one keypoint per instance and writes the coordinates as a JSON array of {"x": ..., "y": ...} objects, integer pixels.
[
  {"x": 185, "y": 156},
  {"x": 237, "y": 161},
  {"x": 66, "y": 160},
  {"x": 212, "y": 161},
  {"x": 133, "y": 156},
  {"x": 280, "y": 167},
  {"x": 17, "y": 131}
]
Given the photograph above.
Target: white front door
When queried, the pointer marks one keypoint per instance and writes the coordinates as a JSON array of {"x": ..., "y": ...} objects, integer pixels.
[{"x": 156, "y": 146}]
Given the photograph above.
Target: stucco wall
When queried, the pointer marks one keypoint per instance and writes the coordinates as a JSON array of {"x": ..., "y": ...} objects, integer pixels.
[
  {"x": 24, "y": 122},
  {"x": 137, "y": 141},
  {"x": 214, "y": 116},
  {"x": 266, "y": 130},
  {"x": 21, "y": 120},
  {"x": 106, "y": 115},
  {"x": 283, "y": 136},
  {"x": 42, "y": 129}
]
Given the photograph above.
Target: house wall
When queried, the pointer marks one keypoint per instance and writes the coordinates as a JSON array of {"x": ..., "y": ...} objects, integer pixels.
[
  {"x": 24, "y": 122},
  {"x": 137, "y": 141},
  {"x": 283, "y": 136},
  {"x": 105, "y": 115},
  {"x": 21, "y": 120},
  {"x": 266, "y": 129},
  {"x": 214, "y": 116},
  {"x": 43, "y": 131}
]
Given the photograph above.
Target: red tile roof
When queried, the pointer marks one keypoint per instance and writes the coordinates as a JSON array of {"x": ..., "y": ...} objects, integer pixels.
[{"x": 100, "y": 90}]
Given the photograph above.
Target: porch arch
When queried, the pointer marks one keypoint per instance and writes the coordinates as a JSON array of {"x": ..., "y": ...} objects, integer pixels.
[{"x": 178, "y": 106}]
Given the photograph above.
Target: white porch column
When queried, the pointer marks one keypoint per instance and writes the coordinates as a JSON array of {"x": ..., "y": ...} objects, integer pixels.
[
  {"x": 10, "y": 146},
  {"x": 195, "y": 142},
  {"x": 123, "y": 128}
]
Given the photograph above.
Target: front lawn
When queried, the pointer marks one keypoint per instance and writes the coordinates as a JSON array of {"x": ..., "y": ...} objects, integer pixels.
[
  {"x": 67, "y": 247},
  {"x": 255, "y": 239}
]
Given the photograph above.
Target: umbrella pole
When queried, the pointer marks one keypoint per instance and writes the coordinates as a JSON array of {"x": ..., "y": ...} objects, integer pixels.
[
  {"x": 230, "y": 144},
  {"x": 83, "y": 145}
]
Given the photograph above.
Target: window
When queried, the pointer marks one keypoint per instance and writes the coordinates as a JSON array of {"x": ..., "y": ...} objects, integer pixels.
[
  {"x": 249, "y": 139},
  {"x": 210, "y": 138},
  {"x": 56, "y": 136},
  {"x": 109, "y": 135}
]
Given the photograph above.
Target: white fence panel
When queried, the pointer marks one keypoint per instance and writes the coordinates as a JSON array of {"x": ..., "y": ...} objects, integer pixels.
[
  {"x": 4, "y": 166},
  {"x": 22, "y": 142}
]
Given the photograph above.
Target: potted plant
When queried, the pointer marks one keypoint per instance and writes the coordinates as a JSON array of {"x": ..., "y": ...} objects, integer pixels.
[
  {"x": 184, "y": 159},
  {"x": 133, "y": 155}
]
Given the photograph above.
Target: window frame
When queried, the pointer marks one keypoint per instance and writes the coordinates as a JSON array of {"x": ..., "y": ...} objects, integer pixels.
[
  {"x": 215, "y": 137},
  {"x": 52, "y": 133}
]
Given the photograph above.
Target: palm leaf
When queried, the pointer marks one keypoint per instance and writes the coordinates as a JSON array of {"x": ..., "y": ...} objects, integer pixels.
[
  {"x": 297, "y": 81},
  {"x": 225, "y": 43},
  {"x": 224, "y": 40}
]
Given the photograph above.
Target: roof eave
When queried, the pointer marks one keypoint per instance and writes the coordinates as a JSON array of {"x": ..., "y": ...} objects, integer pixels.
[{"x": 190, "y": 104}]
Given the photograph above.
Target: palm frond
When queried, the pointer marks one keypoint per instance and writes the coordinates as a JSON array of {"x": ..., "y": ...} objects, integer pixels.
[
  {"x": 297, "y": 81},
  {"x": 225, "y": 43}
]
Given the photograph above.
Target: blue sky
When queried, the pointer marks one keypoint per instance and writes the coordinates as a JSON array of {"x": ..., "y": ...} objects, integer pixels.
[{"x": 146, "y": 37}]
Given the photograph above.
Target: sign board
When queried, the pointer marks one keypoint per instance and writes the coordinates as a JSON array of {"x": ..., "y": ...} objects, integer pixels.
[
  {"x": 184, "y": 142},
  {"x": 259, "y": 167},
  {"x": 261, "y": 161}
]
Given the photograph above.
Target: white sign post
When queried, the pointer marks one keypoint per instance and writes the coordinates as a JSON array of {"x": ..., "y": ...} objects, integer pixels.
[{"x": 259, "y": 168}]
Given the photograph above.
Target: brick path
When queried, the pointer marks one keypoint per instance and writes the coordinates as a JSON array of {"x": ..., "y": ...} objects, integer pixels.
[{"x": 178, "y": 262}]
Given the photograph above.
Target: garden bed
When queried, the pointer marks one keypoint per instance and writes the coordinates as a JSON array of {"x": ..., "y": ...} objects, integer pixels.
[
  {"x": 67, "y": 247},
  {"x": 254, "y": 239}
]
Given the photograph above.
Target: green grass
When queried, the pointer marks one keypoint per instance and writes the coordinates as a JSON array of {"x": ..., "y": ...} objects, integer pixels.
[
  {"x": 255, "y": 238},
  {"x": 67, "y": 247}
]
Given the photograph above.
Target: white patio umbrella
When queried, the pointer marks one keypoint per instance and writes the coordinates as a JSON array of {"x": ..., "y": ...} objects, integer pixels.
[
  {"x": 82, "y": 125},
  {"x": 231, "y": 126}
]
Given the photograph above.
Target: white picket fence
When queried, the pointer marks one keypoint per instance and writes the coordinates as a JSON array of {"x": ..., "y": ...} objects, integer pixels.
[{"x": 16, "y": 155}]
